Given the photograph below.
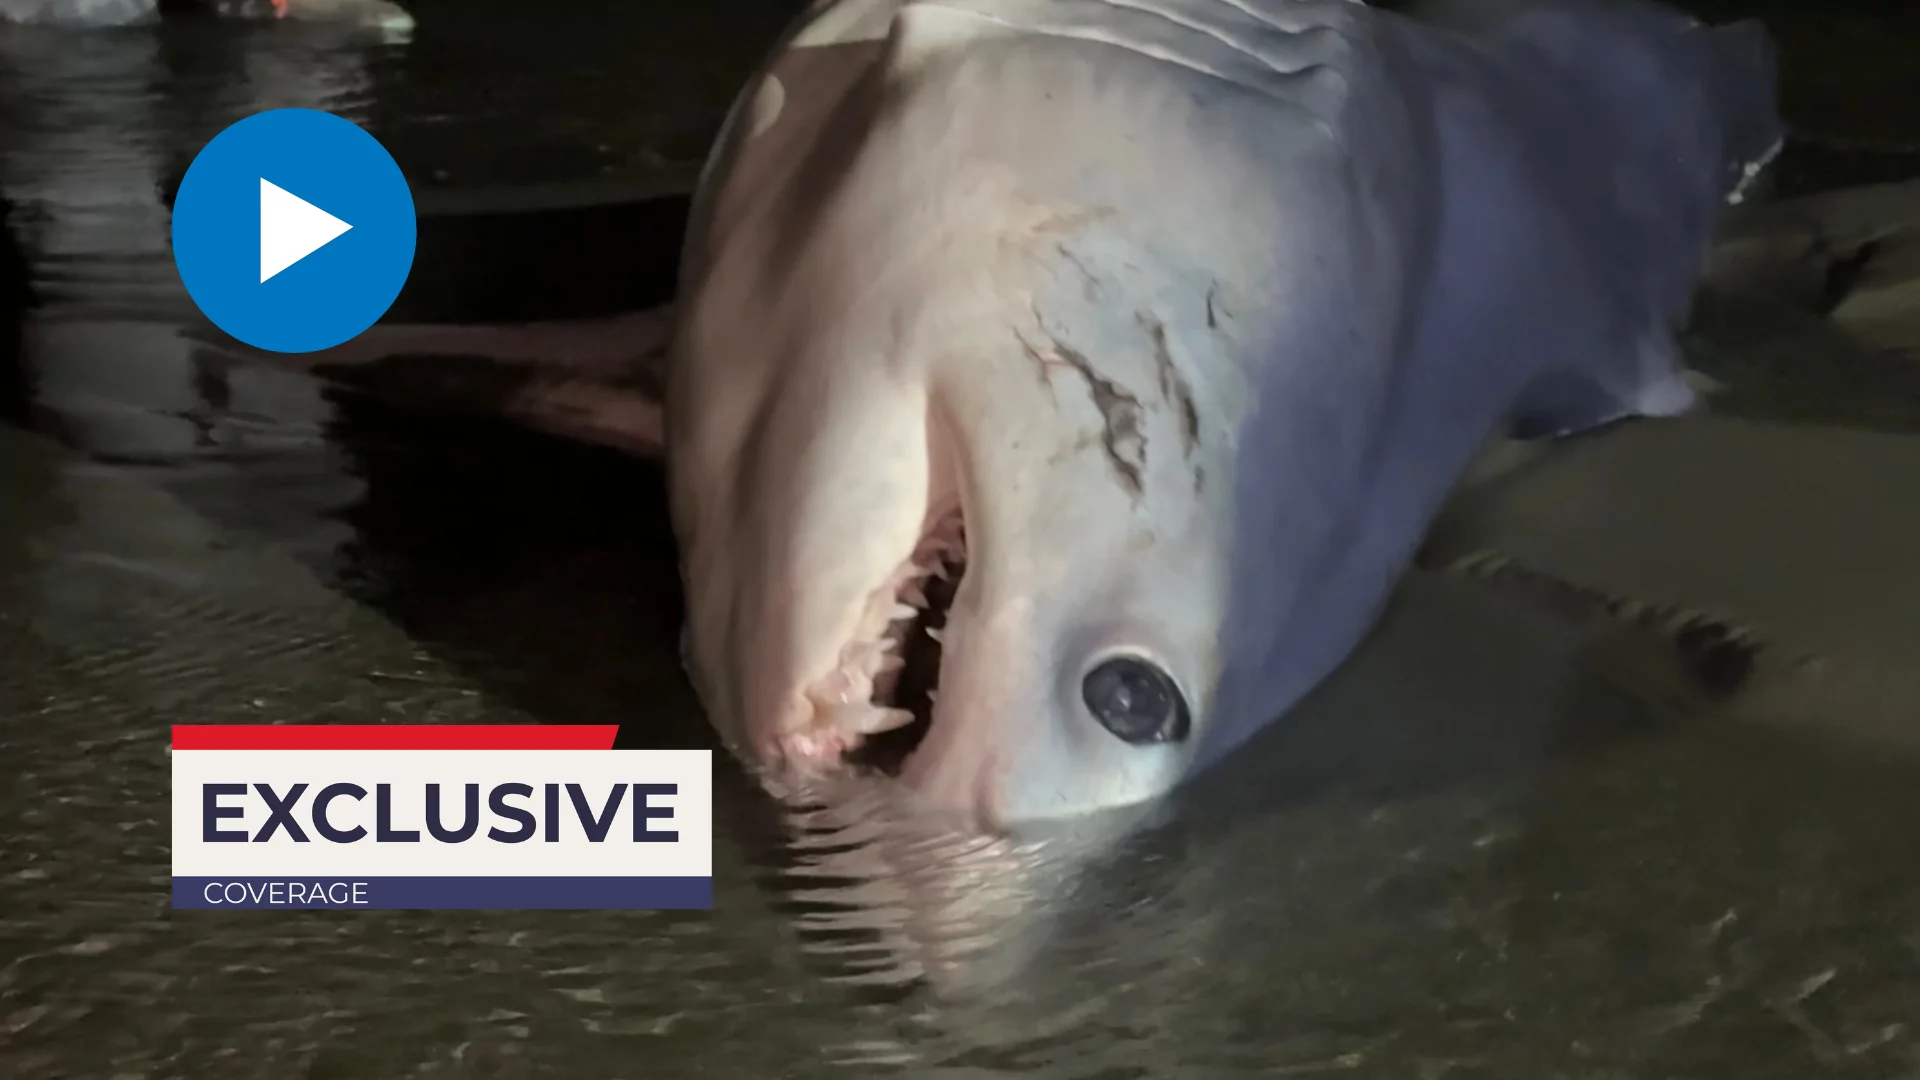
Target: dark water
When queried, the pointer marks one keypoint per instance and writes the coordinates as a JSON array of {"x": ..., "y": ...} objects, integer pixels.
[{"x": 1473, "y": 855}]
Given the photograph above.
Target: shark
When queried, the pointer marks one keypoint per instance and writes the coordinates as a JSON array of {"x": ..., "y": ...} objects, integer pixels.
[
  {"x": 1150, "y": 338},
  {"x": 1057, "y": 390}
]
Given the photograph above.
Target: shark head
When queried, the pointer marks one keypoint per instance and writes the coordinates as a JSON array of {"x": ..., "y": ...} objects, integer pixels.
[{"x": 954, "y": 501}]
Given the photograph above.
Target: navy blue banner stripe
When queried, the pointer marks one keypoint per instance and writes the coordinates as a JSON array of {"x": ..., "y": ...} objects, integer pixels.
[{"x": 443, "y": 893}]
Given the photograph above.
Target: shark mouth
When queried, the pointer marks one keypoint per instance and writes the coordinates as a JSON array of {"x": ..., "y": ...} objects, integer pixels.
[{"x": 874, "y": 709}]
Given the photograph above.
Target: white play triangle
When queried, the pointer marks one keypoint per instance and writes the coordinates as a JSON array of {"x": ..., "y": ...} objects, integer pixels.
[{"x": 291, "y": 228}]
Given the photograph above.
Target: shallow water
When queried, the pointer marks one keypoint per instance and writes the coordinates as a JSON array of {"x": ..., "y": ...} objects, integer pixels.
[{"x": 1474, "y": 854}]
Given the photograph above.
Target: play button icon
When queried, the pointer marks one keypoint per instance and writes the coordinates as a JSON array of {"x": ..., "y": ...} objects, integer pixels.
[{"x": 293, "y": 230}]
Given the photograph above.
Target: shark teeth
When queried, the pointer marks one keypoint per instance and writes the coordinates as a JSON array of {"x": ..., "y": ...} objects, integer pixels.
[
  {"x": 846, "y": 684},
  {"x": 866, "y": 656},
  {"x": 836, "y": 728},
  {"x": 845, "y": 706},
  {"x": 864, "y": 719}
]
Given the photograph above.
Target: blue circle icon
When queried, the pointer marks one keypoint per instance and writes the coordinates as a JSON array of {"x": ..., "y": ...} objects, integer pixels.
[{"x": 293, "y": 230}]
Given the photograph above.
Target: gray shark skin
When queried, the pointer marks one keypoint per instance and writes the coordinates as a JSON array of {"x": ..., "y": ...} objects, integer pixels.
[{"x": 1176, "y": 323}]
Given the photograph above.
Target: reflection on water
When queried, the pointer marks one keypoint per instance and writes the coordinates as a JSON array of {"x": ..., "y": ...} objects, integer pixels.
[{"x": 1470, "y": 855}]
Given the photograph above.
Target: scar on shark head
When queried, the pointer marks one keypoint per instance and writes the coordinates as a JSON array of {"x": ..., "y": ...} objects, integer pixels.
[
  {"x": 1123, "y": 437},
  {"x": 1174, "y": 389}
]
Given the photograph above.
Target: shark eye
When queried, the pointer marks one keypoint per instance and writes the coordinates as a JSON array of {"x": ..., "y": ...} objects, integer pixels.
[{"x": 1137, "y": 701}]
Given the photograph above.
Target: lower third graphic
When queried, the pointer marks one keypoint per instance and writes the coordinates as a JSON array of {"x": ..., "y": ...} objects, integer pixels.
[{"x": 497, "y": 817}]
